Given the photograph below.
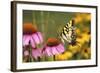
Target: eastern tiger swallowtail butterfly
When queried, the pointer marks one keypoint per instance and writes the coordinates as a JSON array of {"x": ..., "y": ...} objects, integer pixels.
[{"x": 68, "y": 33}]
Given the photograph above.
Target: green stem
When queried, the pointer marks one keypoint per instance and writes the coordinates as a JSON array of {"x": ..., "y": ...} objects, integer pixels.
[
  {"x": 30, "y": 55},
  {"x": 50, "y": 58}
]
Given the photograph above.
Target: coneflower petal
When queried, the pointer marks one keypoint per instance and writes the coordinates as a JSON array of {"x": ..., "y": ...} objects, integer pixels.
[
  {"x": 40, "y": 37},
  {"x": 26, "y": 39},
  {"x": 36, "y": 38},
  {"x": 48, "y": 51},
  {"x": 54, "y": 50},
  {"x": 36, "y": 53},
  {"x": 32, "y": 43},
  {"x": 60, "y": 48}
]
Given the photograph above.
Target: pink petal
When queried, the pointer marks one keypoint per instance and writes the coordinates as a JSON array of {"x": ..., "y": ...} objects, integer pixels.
[
  {"x": 32, "y": 42},
  {"x": 26, "y": 39},
  {"x": 40, "y": 36},
  {"x": 26, "y": 53},
  {"x": 36, "y": 38},
  {"x": 48, "y": 51},
  {"x": 54, "y": 51},
  {"x": 60, "y": 48},
  {"x": 36, "y": 53}
]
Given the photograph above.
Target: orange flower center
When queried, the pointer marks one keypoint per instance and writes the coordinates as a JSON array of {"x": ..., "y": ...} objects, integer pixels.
[
  {"x": 52, "y": 42},
  {"x": 29, "y": 28}
]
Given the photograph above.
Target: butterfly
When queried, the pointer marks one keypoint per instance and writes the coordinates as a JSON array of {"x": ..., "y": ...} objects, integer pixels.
[{"x": 68, "y": 33}]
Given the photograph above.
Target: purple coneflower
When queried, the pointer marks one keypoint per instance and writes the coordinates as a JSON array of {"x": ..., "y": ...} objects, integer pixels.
[
  {"x": 53, "y": 47},
  {"x": 31, "y": 39},
  {"x": 31, "y": 36}
]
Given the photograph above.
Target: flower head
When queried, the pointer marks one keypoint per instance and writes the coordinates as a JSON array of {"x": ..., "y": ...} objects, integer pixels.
[
  {"x": 52, "y": 42},
  {"x": 86, "y": 53},
  {"x": 83, "y": 38},
  {"x": 75, "y": 48},
  {"x": 31, "y": 36},
  {"x": 53, "y": 47},
  {"x": 29, "y": 28}
]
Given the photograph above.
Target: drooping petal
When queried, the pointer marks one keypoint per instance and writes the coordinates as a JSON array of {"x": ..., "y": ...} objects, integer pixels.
[
  {"x": 36, "y": 38},
  {"x": 53, "y": 47},
  {"x": 26, "y": 39},
  {"x": 60, "y": 48},
  {"x": 36, "y": 53},
  {"x": 48, "y": 51},
  {"x": 54, "y": 50},
  {"x": 40, "y": 36},
  {"x": 32, "y": 42}
]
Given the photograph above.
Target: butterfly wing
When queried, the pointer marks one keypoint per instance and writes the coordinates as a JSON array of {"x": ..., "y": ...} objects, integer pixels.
[{"x": 68, "y": 33}]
